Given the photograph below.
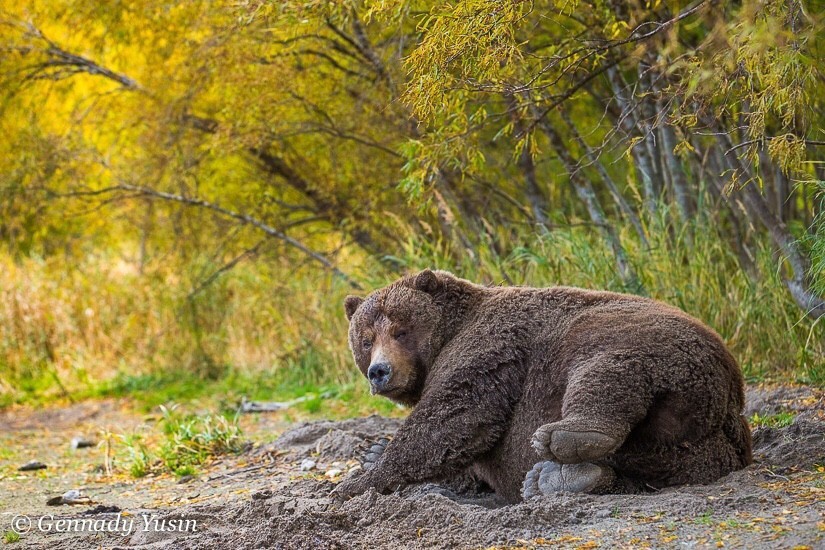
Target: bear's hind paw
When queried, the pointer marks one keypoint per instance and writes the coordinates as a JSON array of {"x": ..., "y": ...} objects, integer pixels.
[{"x": 549, "y": 478}]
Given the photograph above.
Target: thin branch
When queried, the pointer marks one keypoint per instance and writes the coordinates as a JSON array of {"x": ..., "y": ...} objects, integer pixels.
[
  {"x": 61, "y": 63},
  {"x": 630, "y": 39},
  {"x": 226, "y": 267},
  {"x": 768, "y": 138},
  {"x": 567, "y": 95},
  {"x": 243, "y": 218}
]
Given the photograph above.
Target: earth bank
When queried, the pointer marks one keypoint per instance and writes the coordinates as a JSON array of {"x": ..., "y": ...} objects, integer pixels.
[{"x": 265, "y": 499}]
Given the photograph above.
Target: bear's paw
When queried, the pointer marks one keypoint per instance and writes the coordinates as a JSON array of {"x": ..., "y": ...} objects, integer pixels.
[
  {"x": 373, "y": 453},
  {"x": 571, "y": 446},
  {"x": 548, "y": 478}
]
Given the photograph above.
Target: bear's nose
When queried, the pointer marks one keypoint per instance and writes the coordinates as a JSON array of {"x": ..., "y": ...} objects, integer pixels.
[{"x": 379, "y": 375}]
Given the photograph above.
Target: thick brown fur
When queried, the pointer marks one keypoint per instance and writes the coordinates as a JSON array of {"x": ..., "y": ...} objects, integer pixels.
[{"x": 486, "y": 367}]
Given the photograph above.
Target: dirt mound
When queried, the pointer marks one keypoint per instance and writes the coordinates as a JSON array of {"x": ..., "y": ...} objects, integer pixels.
[
  {"x": 775, "y": 503},
  {"x": 798, "y": 445},
  {"x": 333, "y": 440},
  {"x": 769, "y": 401}
]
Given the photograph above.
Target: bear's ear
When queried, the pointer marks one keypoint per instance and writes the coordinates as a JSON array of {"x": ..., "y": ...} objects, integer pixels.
[
  {"x": 351, "y": 303},
  {"x": 426, "y": 281}
]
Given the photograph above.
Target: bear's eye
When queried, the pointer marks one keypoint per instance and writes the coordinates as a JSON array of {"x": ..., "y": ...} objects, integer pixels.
[
  {"x": 367, "y": 344},
  {"x": 400, "y": 334}
]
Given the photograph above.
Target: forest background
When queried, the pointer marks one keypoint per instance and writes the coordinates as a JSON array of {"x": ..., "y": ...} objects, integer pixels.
[{"x": 189, "y": 189}]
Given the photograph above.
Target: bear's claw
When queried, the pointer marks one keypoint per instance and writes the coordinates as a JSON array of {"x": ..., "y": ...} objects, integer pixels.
[
  {"x": 570, "y": 447},
  {"x": 549, "y": 478},
  {"x": 373, "y": 453}
]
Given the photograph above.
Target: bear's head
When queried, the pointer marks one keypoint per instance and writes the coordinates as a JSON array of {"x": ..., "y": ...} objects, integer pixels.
[{"x": 396, "y": 333}]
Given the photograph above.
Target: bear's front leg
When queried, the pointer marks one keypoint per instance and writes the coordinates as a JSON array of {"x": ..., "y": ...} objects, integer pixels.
[
  {"x": 383, "y": 480},
  {"x": 375, "y": 451},
  {"x": 361, "y": 481},
  {"x": 449, "y": 429}
]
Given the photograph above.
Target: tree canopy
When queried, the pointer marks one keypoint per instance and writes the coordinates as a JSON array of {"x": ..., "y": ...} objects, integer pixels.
[{"x": 338, "y": 133}]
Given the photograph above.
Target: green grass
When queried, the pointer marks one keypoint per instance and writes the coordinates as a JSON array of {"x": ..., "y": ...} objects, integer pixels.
[
  {"x": 267, "y": 331},
  {"x": 185, "y": 442},
  {"x": 191, "y": 440},
  {"x": 149, "y": 391},
  {"x": 705, "y": 519},
  {"x": 139, "y": 458},
  {"x": 782, "y": 419},
  {"x": 10, "y": 537}
]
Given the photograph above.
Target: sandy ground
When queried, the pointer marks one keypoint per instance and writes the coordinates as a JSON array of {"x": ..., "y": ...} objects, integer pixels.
[{"x": 263, "y": 499}]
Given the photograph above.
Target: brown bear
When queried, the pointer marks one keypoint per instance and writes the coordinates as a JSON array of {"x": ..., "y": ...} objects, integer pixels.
[{"x": 542, "y": 390}]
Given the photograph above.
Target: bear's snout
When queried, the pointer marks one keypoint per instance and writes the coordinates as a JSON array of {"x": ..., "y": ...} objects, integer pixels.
[{"x": 379, "y": 376}]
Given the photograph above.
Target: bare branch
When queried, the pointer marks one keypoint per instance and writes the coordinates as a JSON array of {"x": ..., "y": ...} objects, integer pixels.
[
  {"x": 226, "y": 267},
  {"x": 61, "y": 64},
  {"x": 243, "y": 218},
  {"x": 768, "y": 138}
]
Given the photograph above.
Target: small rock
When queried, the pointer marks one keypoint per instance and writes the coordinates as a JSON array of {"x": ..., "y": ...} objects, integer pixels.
[
  {"x": 573, "y": 519},
  {"x": 72, "y": 496},
  {"x": 307, "y": 464},
  {"x": 32, "y": 465},
  {"x": 365, "y": 522},
  {"x": 262, "y": 495},
  {"x": 186, "y": 479},
  {"x": 605, "y": 513},
  {"x": 81, "y": 443},
  {"x": 335, "y": 472}
]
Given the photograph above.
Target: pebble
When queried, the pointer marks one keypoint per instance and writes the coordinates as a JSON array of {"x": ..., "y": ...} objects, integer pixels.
[
  {"x": 72, "y": 496},
  {"x": 31, "y": 466},
  {"x": 605, "y": 513},
  {"x": 335, "y": 472},
  {"x": 81, "y": 443},
  {"x": 307, "y": 464}
]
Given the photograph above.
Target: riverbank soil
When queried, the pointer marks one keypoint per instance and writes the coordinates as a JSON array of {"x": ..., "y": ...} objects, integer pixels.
[{"x": 275, "y": 495}]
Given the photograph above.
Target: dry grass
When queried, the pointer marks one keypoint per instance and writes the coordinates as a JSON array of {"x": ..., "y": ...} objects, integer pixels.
[
  {"x": 64, "y": 330},
  {"x": 265, "y": 326}
]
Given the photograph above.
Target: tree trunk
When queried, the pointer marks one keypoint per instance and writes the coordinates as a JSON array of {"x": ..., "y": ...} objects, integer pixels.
[
  {"x": 538, "y": 203},
  {"x": 584, "y": 190},
  {"x": 798, "y": 284},
  {"x": 681, "y": 189},
  {"x": 618, "y": 198},
  {"x": 628, "y": 124}
]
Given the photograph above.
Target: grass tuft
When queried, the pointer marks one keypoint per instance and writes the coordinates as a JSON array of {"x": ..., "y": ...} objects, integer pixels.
[
  {"x": 781, "y": 419},
  {"x": 186, "y": 442},
  {"x": 191, "y": 440}
]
